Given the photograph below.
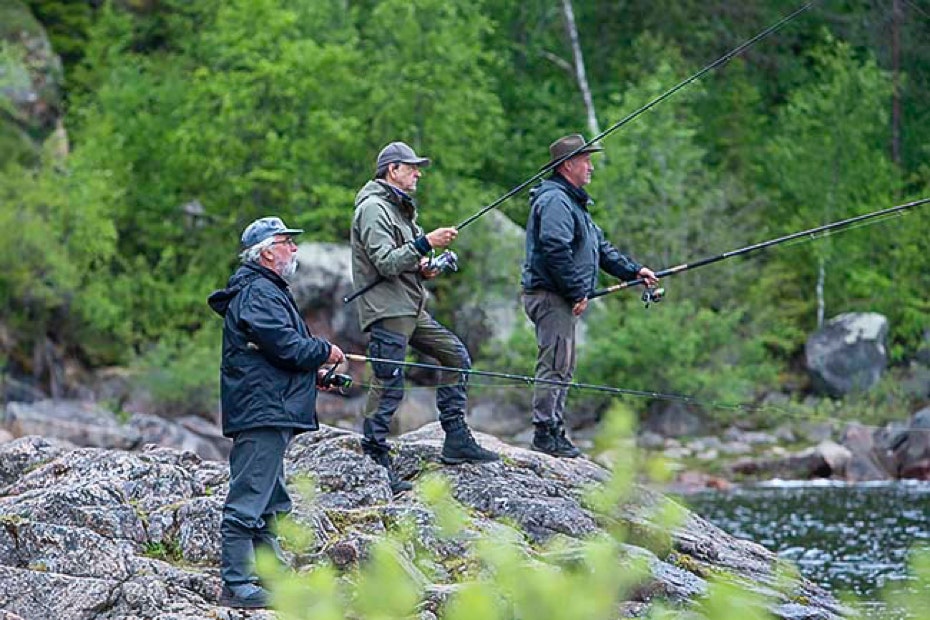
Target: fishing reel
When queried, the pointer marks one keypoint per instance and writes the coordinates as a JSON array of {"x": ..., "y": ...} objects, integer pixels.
[
  {"x": 333, "y": 379},
  {"x": 653, "y": 295},
  {"x": 445, "y": 262}
]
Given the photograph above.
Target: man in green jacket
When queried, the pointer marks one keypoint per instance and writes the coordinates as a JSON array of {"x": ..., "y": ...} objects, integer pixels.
[{"x": 388, "y": 243}]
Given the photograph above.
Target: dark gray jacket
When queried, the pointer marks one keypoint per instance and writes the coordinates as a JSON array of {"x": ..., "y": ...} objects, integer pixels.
[
  {"x": 270, "y": 359},
  {"x": 564, "y": 247}
]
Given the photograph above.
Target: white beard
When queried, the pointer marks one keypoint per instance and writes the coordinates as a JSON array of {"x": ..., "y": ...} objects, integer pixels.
[{"x": 290, "y": 268}]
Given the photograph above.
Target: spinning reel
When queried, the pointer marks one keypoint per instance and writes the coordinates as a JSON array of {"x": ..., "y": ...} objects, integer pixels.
[
  {"x": 445, "y": 262},
  {"x": 334, "y": 379},
  {"x": 653, "y": 295}
]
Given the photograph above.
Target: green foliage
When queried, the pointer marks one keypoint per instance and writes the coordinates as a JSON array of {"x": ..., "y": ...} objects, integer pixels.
[
  {"x": 675, "y": 347},
  {"x": 182, "y": 373},
  {"x": 827, "y": 161},
  {"x": 167, "y": 551}
]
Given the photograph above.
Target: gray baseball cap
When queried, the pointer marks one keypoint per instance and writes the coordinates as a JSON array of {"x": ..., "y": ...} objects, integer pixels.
[
  {"x": 399, "y": 153},
  {"x": 265, "y": 227}
]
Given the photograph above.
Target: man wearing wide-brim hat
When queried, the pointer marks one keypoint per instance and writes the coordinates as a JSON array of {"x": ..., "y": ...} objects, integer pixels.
[{"x": 564, "y": 249}]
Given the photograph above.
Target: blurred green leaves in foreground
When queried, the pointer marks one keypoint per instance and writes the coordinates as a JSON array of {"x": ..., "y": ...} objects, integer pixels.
[{"x": 506, "y": 577}]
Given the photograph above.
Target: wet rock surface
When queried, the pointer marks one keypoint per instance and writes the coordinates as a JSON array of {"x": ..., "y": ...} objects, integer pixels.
[{"x": 101, "y": 533}]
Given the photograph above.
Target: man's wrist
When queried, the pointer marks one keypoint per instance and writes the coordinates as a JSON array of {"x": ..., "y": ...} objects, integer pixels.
[{"x": 422, "y": 245}]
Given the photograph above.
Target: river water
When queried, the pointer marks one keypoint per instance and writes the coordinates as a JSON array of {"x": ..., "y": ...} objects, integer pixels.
[{"x": 849, "y": 538}]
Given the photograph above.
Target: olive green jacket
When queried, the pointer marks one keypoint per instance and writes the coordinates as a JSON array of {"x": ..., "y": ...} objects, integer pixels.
[{"x": 387, "y": 242}]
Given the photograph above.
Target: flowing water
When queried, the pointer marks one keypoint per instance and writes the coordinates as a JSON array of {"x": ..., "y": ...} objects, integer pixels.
[{"x": 847, "y": 538}]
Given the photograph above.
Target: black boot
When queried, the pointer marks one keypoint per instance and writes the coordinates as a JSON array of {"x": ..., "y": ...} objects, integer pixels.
[
  {"x": 550, "y": 439},
  {"x": 460, "y": 447},
  {"x": 382, "y": 457},
  {"x": 567, "y": 449}
]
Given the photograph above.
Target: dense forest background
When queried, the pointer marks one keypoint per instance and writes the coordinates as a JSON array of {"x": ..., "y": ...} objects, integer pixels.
[{"x": 243, "y": 108}]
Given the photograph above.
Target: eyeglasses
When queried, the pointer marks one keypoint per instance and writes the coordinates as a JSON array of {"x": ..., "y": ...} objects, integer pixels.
[{"x": 288, "y": 241}]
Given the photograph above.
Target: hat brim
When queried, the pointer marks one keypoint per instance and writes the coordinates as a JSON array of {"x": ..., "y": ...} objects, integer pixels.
[
  {"x": 290, "y": 231},
  {"x": 416, "y": 161},
  {"x": 591, "y": 148}
]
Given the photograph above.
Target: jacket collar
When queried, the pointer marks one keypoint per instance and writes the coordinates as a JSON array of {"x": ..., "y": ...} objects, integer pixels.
[
  {"x": 398, "y": 197},
  {"x": 268, "y": 273},
  {"x": 577, "y": 194}
]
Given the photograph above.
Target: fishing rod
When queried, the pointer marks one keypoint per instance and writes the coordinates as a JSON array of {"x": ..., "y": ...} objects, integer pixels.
[
  {"x": 812, "y": 232},
  {"x": 645, "y": 108},
  {"x": 529, "y": 380},
  {"x": 629, "y": 117}
]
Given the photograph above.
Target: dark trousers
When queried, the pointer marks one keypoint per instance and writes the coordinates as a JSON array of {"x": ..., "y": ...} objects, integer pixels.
[
  {"x": 389, "y": 340},
  {"x": 256, "y": 497},
  {"x": 555, "y": 355}
]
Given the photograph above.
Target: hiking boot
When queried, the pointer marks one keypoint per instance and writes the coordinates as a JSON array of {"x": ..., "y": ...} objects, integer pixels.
[
  {"x": 550, "y": 439},
  {"x": 382, "y": 457},
  {"x": 566, "y": 448},
  {"x": 244, "y": 596},
  {"x": 460, "y": 447}
]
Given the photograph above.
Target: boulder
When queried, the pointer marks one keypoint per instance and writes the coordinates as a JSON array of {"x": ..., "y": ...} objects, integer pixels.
[
  {"x": 864, "y": 464},
  {"x": 81, "y": 423},
  {"x": 99, "y": 533},
  {"x": 673, "y": 419},
  {"x": 911, "y": 449},
  {"x": 848, "y": 353},
  {"x": 30, "y": 86},
  {"x": 825, "y": 460},
  {"x": 188, "y": 433},
  {"x": 323, "y": 278}
]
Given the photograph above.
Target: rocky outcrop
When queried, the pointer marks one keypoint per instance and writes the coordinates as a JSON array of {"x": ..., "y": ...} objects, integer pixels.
[
  {"x": 89, "y": 424},
  {"x": 30, "y": 85},
  {"x": 864, "y": 453},
  {"x": 103, "y": 534},
  {"x": 848, "y": 353}
]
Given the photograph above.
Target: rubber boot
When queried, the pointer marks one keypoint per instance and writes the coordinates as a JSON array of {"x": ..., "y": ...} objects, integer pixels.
[
  {"x": 382, "y": 457},
  {"x": 460, "y": 447}
]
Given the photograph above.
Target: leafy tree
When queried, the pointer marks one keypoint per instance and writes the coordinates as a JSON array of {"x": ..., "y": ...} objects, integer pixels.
[{"x": 826, "y": 160}]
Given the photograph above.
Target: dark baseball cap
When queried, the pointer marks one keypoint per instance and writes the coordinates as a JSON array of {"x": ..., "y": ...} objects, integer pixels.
[
  {"x": 399, "y": 153},
  {"x": 265, "y": 227}
]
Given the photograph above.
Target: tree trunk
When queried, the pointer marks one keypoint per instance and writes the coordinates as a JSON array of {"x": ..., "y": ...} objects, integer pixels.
[
  {"x": 580, "y": 73},
  {"x": 821, "y": 276},
  {"x": 896, "y": 84}
]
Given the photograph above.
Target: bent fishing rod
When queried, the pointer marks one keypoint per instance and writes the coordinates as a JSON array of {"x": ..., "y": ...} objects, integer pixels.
[
  {"x": 626, "y": 119},
  {"x": 812, "y": 232}
]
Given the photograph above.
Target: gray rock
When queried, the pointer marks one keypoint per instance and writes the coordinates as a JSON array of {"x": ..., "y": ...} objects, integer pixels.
[
  {"x": 30, "y": 86},
  {"x": 864, "y": 464},
  {"x": 910, "y": 451},
  {"x": 188, "y": 433},
  {"x": 673, "y": 419},
  {"x": 323, "y": 278},
  {"x": 848, "y": 353},
  {"x": 81, "y": 423},
  {"x": 93, "y": 533}
]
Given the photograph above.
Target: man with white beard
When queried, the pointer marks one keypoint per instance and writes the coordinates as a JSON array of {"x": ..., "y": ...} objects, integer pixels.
[{"x": 269, "y": 379}]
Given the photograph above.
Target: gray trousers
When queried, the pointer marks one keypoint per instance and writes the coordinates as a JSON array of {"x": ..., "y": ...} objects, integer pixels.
[
  {"x": 389, "y": 340},
  {"x": 256, "y": 497},
  {"x": 555, "y": 356}
]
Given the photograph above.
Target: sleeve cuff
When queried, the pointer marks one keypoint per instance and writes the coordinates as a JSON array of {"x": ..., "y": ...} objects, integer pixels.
[{"x": 422, "y": 245}]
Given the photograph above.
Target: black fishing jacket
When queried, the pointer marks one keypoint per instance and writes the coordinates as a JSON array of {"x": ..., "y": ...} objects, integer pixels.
[
  {"x": 564, "y": 247},
  {"x": 270, "y": 359}
]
